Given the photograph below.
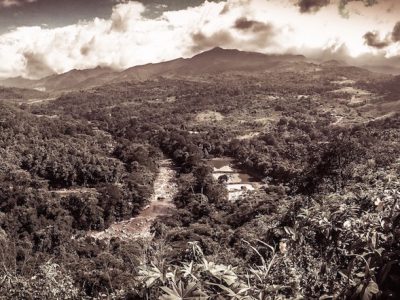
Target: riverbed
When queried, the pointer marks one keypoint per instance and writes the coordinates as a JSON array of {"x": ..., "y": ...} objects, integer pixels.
[{"x": 161, "y": 204}]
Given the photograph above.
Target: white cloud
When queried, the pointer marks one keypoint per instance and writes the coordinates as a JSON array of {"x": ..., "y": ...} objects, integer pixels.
[
  {"x": 10, "y": 3},
  {"x": 128, "y": 38}
]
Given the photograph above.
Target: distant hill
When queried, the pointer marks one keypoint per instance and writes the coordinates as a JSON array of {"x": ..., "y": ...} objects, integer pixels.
[
  {"x": 392, "y": 87},
  {"x": 214, "y": 61},
  {"x": 73, "y": 79},
  {"x": 18, "y": 94},
  {"x": 17, "y": 82},
  {"x": 392, "y": 70},
  {"x": 76, "y": 79},
  {"x": 334, "y": 63}
]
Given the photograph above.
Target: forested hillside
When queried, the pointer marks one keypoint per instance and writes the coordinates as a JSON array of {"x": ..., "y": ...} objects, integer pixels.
[{"x": 324, "y": 225}]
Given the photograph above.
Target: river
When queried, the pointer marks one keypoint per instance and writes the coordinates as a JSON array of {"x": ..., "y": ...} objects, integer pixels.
[
  {"x": 165, "y": 189},
  {"x": 161, "y": 204},
  {"x": 238, "y": 181}
]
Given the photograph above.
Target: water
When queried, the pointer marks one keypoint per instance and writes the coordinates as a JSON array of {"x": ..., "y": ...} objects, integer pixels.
[{"x": 239, "y": 181}]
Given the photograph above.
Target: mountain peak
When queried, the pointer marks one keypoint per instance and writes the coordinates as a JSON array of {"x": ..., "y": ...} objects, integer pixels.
[{"x": 216, "y": 51}]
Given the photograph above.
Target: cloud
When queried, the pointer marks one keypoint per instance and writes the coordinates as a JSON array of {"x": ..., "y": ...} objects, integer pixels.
[
  {"x": 36, "y": 65},
  {"x": 250, "y": 25},
  {"x": 257, "y": 34},
  {"x": 10, "y": 3},
  {"x": 396, "y": 33},
  {"x": 343, "y": 4},
  {"x": 130, "y": 37},
  {"x": 309, "y": 6},
  {"x": 248, "y": 34},
  {"x": 372, "y": 39},
  {"x": 202, "y": 42},
  {"x": 312, "y": 6},
  {"x": 229, "y": 5},
  {"x": 161, "y": 6},
  {"x": 125, "y": 39},
  {"x": 365, "y": 2},
  {"x": 123, "y": 14},
  {"x": 88, "y": 47}
]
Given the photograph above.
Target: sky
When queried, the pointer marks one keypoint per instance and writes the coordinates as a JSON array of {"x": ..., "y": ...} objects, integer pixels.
[{"x": 43, "y": 37}]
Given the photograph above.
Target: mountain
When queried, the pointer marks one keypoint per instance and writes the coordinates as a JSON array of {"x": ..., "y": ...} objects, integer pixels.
[
  {"x": 73, "y": 79},
  {"x": 214, "y": 61},
  {"x": 148, "y": 71}
]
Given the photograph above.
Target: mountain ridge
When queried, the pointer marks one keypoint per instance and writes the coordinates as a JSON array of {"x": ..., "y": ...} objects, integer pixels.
[{"x": 214, "y": 61}]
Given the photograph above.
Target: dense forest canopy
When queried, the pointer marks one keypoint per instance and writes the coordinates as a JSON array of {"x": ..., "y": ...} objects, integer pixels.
[{"x": 325, "y": 225}]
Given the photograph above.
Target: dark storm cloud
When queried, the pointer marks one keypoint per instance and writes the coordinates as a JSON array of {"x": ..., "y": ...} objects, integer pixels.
[
  {"x": 372, "y": 39},
  {"x": 256, "y": 33},
  {"x": 251, "y": 25},
  {"x": 309, "y": 6},
  {"x": 396, "y": 33}
]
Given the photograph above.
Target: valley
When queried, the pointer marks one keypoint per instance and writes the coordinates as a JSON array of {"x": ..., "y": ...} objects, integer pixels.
[{"x": 268, "y": 176}]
